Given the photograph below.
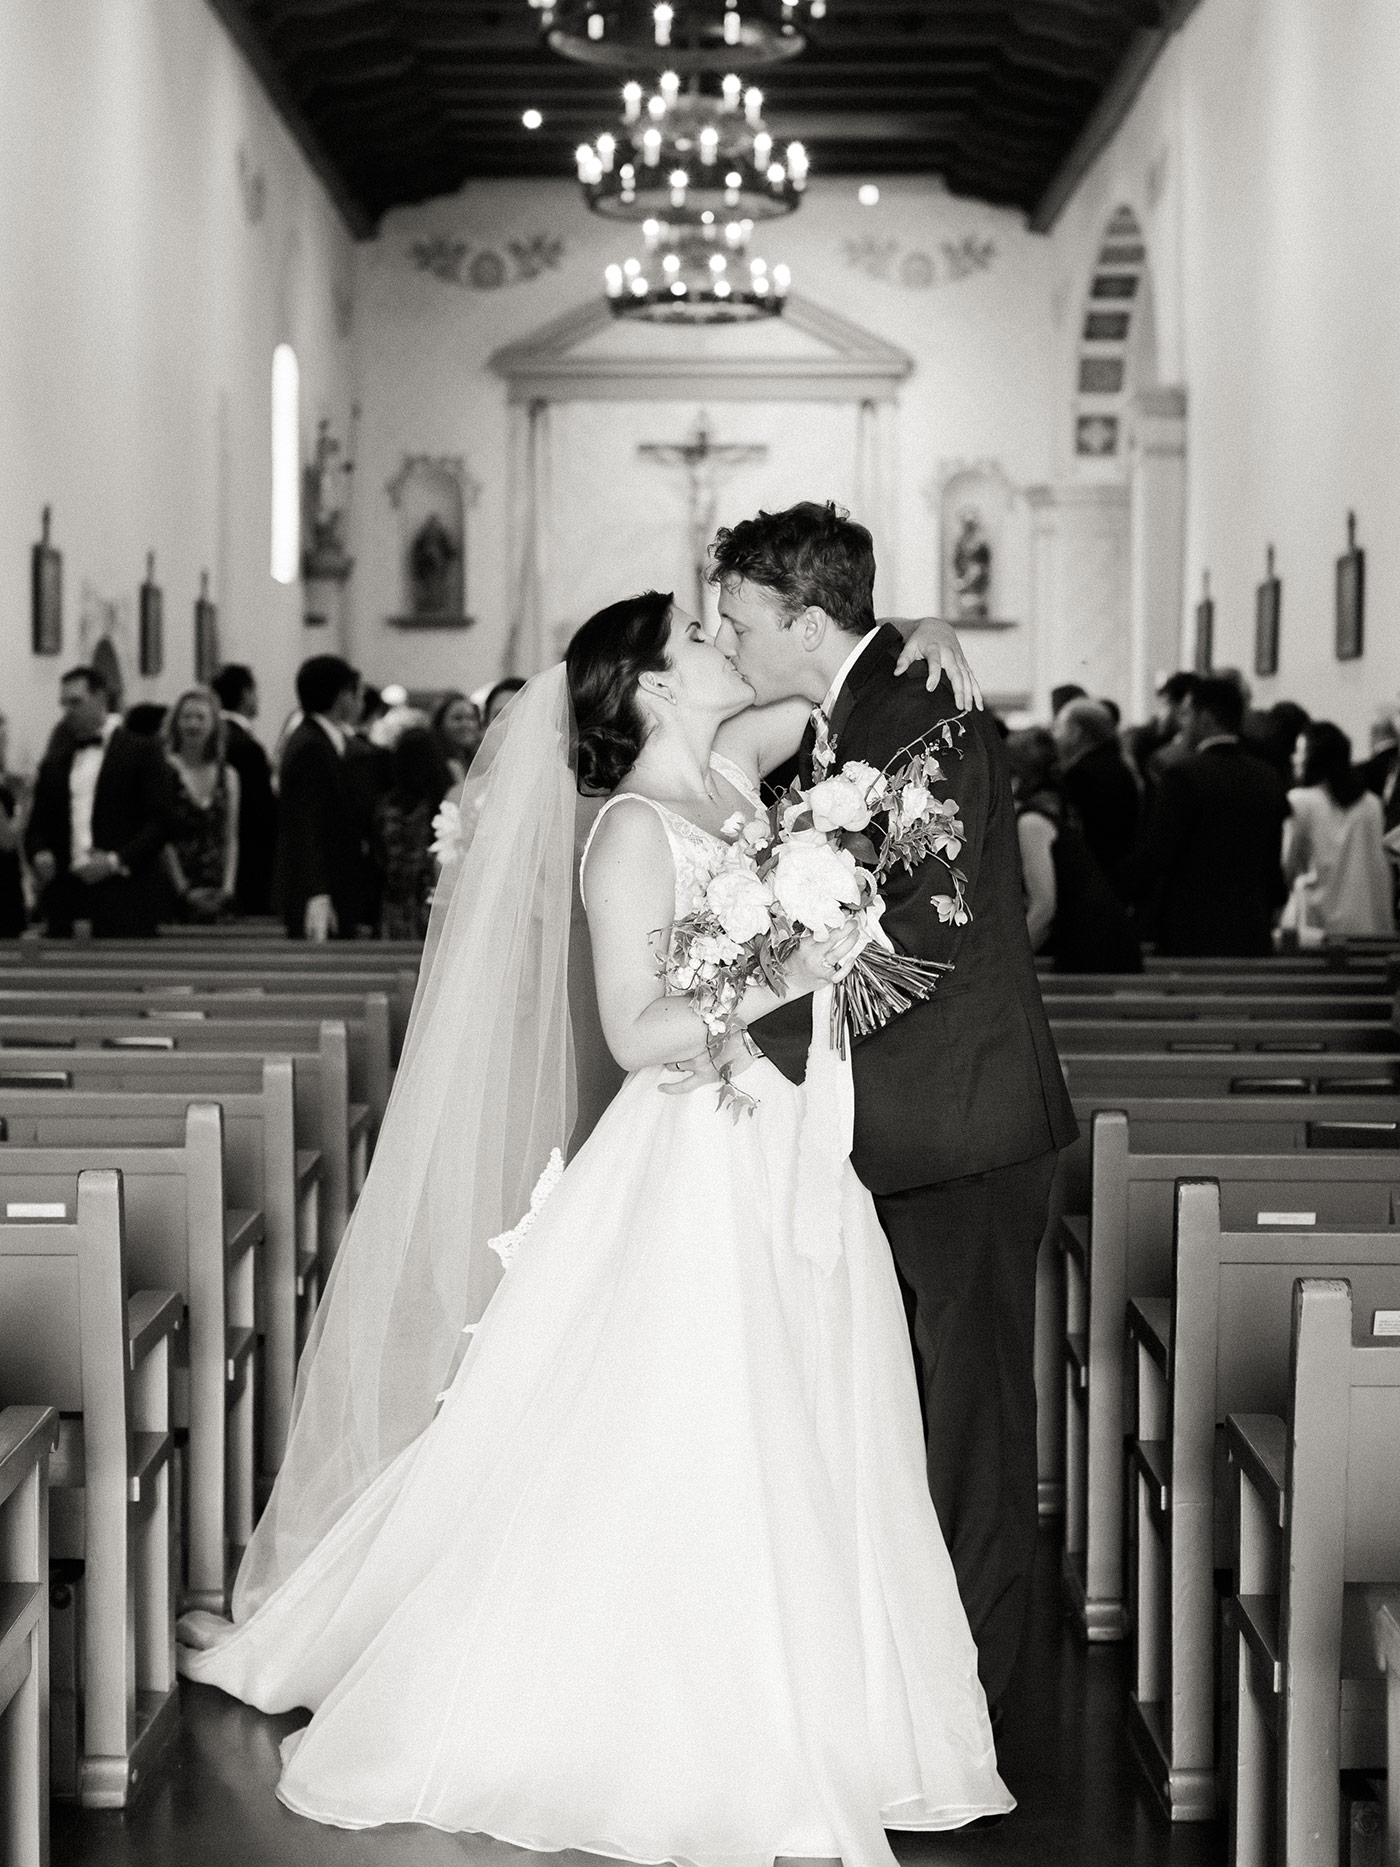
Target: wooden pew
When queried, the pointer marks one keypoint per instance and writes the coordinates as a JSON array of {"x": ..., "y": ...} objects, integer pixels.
[
  {"x": 1229, "y": 1004},
  {"x": 163, "y": 978},
  {"x": 27, "y": 1436},
  {"x": 183, "y": 1235},
  {"x": 1317, "y": 1549},
  {"x": 129, "y": 1053},
  {"x": 1387, "y": 1638},
  {"x": 264, "y": 1169},
  {"x": 366, "y": 1021},
  {"x": 1218, "y": 1345},
  {"x": 1252, "y": 1038},
  {"x": 1187, "y": 1073},
  {"x": 1122, "y": 1248},
  {"x": 74, "y": 1333}
]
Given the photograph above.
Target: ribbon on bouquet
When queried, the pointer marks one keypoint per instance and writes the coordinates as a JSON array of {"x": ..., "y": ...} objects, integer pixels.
[{"x": 824, "y": 1141}]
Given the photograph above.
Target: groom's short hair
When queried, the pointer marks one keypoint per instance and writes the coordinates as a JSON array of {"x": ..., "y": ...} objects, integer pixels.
[{"x": 810, "y": 554}]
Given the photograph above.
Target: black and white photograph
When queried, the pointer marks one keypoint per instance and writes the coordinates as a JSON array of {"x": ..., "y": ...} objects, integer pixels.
[{"x": 699, "y": 1007}]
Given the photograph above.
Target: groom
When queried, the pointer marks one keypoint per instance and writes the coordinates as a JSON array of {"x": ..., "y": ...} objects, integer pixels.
[{"x": 960, "y": 1104}]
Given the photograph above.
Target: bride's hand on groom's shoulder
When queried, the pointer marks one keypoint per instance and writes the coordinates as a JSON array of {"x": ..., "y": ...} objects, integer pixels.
[{"x": 936, "y": 642}]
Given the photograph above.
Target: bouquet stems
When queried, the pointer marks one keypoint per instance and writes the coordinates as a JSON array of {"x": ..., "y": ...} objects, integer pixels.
[{"x": 878, "y": 987}]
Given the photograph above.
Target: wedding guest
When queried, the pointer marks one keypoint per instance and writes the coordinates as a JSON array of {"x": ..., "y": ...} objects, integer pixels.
[
  {"x": 319, "y": 870},
  {"x": 1096, "y": 782},
  {"x": 202, "y": 854},
  {"x": 369, "y": 767},
  {"x": 101, "y": 817},
  {"x": 457, "y": 729},
  {"x": 498, "y": 697},
  {"x": 1273, "y": 735},
  {"x": 1148, "y": 748},
  {"x": 237, "y": 690},
  {"x": 1382, "y": 770},
  {"x": 13, "y": 916},
  {"x": 1071, "y": 911},
  {"x": 1208, "y": 861},
  {"x": 146, "y": 719},
  {"x": 421, "y": 779},
  {"x": 1333, "y": 849}
]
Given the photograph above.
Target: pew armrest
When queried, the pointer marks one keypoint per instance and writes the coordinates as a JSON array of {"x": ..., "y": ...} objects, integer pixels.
[
  {"x": 150, "y": 1315},
  {"x": 358, "y": 1129},
  {"x": 1150, "y": 1325},
  {"x": 1074, "y": 1237},
  {"x": 242, "y": 1230},
  {"x": 27, "y": 1434},
  {"x": 1387, "y": 1633},
  {"x": 308, "y": 1168},
  {"x": 1258, "y": 1443}
]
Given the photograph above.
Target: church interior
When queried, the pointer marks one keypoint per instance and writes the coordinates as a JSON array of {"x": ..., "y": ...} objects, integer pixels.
[{"x": 413, "y": 332}]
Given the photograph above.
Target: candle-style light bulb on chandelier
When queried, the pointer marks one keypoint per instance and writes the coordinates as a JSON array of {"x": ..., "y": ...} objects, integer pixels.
[{"x": 685, "y": 36}]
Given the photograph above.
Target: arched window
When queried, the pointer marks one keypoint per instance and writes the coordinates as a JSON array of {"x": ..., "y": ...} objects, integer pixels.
[{"x": 286, "y": 464}]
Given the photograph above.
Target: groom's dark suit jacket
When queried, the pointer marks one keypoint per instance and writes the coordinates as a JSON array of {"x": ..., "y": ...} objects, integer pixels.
[{"x": 967, "y": 1081}]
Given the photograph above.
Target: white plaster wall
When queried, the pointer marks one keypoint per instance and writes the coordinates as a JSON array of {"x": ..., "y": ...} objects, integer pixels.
[
  {"x": 1263, "y": 161},
  {"x": 981, "y": 389},
  {"x": 139, "y": 308}
]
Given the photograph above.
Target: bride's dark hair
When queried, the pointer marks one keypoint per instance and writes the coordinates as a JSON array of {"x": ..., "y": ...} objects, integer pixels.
[{"x": 605, "y": 660}]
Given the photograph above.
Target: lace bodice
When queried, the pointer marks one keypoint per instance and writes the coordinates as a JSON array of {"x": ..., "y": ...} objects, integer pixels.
[{"x": 696, "y": 853}]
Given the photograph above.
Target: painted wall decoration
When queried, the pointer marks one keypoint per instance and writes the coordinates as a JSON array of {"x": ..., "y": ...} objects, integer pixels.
[
  {"x": 151, "y": 609},
  {"x": 1114, "y": 302},
  {"x": 481, "y": 268},
  {"x": 916, "y": 268},
  {"x": 105, "y": 637},
  {"x": 1351, "y": 597},
  {"x": 252, "y": 187},
  {"x": 1268, "y": 609},
  {"x": 975, "y": 503},
  {"x": 206, "y": 631},
  {"x": 1203, "y": 653}
]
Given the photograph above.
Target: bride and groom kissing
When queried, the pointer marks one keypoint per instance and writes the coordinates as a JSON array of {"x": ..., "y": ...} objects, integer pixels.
[{"x": 607, "y": 1519}]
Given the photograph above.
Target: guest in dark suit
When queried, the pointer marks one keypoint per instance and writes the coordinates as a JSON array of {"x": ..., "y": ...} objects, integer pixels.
[
  {"x": 318, "y": 872},
  {"x": 101, "y": 816},
  {"x": 1096, "y": 783},
  {"x": 960, "y": 1104},
  {"x": 1209, "y": 859},
  {"x": 237, "y": 689}
]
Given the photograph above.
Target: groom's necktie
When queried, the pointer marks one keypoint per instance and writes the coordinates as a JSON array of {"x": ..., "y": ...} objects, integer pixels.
[{"x": 806, "y": 746}]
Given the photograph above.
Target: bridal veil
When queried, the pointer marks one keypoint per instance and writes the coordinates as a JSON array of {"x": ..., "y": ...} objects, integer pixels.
[{"x": 487, "y": 1088}]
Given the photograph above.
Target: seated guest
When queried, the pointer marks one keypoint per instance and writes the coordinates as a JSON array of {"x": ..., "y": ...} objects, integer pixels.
[
  {"x": 1208, "y": 860},
  {"x": 202, "y": 854},
  {"x": 456, "y": 729},
  {"x": 100, "y": 820},
  {"x": 1096, "y": 782},
  {"x": 1333, "y": 848},
  {"x": 1071, "y": 911},
  {"x": 405, "y": 835},
  {"x": 237, "y": 689},
  {"x": 12, "y": 792},
  {"x": 498, "y": 696},
  {"x": 1150, "y": 748},
  {"x": 319, "y": 869}
]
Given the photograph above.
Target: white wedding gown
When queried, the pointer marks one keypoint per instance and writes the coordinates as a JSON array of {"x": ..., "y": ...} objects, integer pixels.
[{"x": 661, "y": 1580}]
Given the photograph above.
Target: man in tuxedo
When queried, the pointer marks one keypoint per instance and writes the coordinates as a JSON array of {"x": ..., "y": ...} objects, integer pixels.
[
  {"x": 960, "y": 1104},
  {"x": 102, "y": 814},
  {"x": 1209, "y": 861},
  {"x": 237, "y": 691},
  {"x": 317, "y": 875}
]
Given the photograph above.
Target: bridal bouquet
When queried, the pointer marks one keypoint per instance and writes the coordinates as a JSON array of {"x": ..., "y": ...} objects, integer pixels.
[{"x": 809, "y": 866}]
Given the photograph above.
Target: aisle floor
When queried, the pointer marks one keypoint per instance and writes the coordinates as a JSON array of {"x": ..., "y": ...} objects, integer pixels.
[{"x": 1064, "y": 1754}]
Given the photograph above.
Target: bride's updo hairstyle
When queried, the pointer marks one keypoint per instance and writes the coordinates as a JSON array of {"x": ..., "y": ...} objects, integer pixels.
[{"x": 605, "y": 660}]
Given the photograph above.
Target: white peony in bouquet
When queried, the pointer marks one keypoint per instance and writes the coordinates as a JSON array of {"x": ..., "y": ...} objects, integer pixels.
[{"x": 809, "y": 866}]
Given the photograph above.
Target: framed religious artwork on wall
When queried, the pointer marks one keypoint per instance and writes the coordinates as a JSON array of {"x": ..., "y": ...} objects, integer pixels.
[
  {"x": 151, "y": 658},
  {"x": 1351, "y": 597},
  {"x": 46, "y": 593},
  {"x": 206, "y": 632},
  {"x": 1268, "y": 604},
  {"x": 1205, "y": 629}
]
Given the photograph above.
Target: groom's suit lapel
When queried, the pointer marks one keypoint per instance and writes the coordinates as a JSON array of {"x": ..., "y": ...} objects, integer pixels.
[{"x": 883, "y": 646}]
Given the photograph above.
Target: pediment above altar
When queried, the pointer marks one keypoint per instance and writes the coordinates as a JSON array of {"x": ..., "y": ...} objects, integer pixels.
[{"x": 809, "y": 354}]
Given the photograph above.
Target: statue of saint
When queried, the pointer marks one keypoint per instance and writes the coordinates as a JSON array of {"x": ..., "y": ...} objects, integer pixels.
[
  {"x": 972, "y": 571},
  {"x": 431, "y": 557}
]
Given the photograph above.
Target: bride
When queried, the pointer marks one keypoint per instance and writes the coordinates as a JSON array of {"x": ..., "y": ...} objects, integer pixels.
[{"x": 642, "y": 1560}]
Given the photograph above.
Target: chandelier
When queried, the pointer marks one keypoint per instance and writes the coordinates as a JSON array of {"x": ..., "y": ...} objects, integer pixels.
[
  {"x": 685, "y": 35},
  {"x": 688, "y": 153},
  {"x": 697, "y": 273}
]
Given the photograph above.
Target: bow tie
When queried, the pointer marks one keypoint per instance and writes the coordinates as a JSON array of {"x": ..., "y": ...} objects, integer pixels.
[{"x": 81, "y": 745}]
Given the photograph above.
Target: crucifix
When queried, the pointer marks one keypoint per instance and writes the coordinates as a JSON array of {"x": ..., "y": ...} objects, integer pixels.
[{"x": 703, "y": 460}]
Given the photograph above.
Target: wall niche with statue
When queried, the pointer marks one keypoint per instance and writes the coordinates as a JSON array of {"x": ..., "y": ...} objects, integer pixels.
[{"x": 432, "y": 496}]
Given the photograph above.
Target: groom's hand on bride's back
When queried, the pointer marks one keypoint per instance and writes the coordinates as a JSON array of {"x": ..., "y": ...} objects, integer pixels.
[{"x": 936, "y": 642}]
